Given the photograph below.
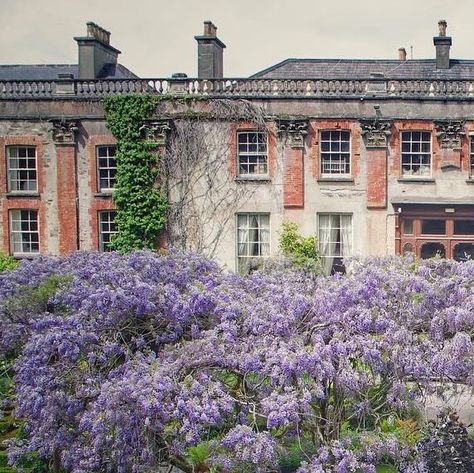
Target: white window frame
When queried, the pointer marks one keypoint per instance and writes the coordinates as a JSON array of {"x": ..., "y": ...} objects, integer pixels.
[
  {"x": 103, "y": 245},
  {"x": 241, "y": 258},
  {"x": 108, "y": 169},
  {"x": 249, "y": 155},
  {"x": 420, "y": 175},
  {"x": 20, "y": 236},
  {"x": 15, "y": 171},
  {"x": 326, "y": 268},
  {"x": 339, "y": 161}
]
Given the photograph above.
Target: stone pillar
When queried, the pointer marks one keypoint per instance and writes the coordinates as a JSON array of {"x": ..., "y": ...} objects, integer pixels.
[
  {"x": 376, "y": 132},
  {"x": 64, "y": 139},
  {"x": 294, "y": 132},
  {"x": 450, "y": 134}
]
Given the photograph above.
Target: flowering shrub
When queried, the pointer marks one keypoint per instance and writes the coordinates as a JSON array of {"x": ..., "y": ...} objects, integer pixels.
[{"x": 128, "y": 362}]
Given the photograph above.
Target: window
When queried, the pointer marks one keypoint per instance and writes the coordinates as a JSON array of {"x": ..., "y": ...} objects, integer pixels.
[
  {"x": 106, "y": 167},
  {"x": 24, "y": 232},
  {"x": 107, "y": 229},
  {"x": 252, "y": 153},
  {"x": 335, "y": 152},
  {"x": 335, "y": 240},
  {"x": 22, "y": 169},
  {"x": 433, "y": 227},
  {"x": 416, "y": 153},
  {"x": 472, "y": 156},
  {"x": 253, "y": 240}
]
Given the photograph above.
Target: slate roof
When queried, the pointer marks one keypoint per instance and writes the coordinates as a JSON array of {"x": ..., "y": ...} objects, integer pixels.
[
  {"x": 51, "y": 71},
  {"x": 363, "y": 68}
]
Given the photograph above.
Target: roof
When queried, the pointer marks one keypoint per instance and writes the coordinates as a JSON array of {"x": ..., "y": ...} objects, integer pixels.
[
  {"x": 363, "y": 68},
  {"x": 51, "y": 71}
]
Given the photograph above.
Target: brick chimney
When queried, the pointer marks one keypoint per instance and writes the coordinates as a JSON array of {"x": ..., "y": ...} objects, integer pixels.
[
  {"x": 95, "y": 52},
  {"x": 402, "y": 54},
  {"x": 210, "y": 53},
  {"x": 442, "y": 44}
]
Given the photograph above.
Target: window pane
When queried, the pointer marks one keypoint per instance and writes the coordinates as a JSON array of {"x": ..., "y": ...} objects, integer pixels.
[
  {"x": 106, "y": 167},
  {"x": 252, "y": 153},
  {"x": 408, "y": 226},
  {"x": 464, "y": 227},
  {"x": 22, "y": 168},
  {"x": 107, "y": 229},
  {"x": 253, "y": 240},
  {"x": 432, "y": 250},
  {"x": 433, "y": 227},
  {"x": 464, "y": 252},
  {"x": 335, "y": 152},
  {"x": 24, "y": 233}
]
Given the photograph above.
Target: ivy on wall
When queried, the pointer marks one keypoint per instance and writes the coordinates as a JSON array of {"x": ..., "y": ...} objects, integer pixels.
[{"x": 141, "y": 204}]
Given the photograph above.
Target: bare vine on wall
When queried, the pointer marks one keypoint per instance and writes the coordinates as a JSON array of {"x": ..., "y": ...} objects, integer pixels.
[{"x": 203, "y": 191}]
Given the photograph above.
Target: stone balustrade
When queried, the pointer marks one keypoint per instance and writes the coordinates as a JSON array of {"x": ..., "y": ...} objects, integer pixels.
[{"x": 240, "y": 88}]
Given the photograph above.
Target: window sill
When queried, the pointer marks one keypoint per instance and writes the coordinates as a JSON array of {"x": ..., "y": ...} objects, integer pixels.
[
  {"x": 103, "y": 194},
  {"x": 336, "y": 179},
  {"x": 25, "y": 256},
  {"x": 416, "y": 180},
  {"x": 22, "y": 195},
  {"x": 253, "y": 179}
]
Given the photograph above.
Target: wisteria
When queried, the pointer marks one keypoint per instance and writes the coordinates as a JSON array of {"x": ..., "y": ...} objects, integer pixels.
[{"x": 128, "y": 362}]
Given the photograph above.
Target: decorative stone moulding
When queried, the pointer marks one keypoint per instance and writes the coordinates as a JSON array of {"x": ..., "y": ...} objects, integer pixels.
[
  {"x": 376, "y": 132},
  {"x": 156, "y": 131},
  {"x": 64, "y": 131},
  {"x": 450, "y": 133},
  {"x": 294, "y": 131}
]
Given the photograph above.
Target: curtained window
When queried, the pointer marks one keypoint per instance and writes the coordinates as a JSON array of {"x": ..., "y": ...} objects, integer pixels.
[
  {"x": 335, "y": 240},
  {"x": 253, "y": 240}
]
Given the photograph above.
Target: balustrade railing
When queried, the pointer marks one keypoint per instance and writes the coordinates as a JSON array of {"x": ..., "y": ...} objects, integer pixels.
[{"x": 267, "y": 88}]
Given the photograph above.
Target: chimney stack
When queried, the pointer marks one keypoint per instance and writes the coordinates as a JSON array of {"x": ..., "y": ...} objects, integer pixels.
[
  {"x": 95, "y": 52},
  {"x": 210, "y": 53},
  {"x": 442, "y": 44},
  {"x": 402, "y": 54}
]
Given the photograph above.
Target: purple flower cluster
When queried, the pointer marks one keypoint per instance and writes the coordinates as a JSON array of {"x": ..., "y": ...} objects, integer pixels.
[{"x": 124, "y": 363}]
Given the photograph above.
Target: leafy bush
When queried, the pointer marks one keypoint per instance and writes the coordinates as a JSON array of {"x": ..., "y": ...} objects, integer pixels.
[
  {"x": 7, "y": 262},
  {"x": 139, "y": 360},
  {"x": 301, "y": 251}
]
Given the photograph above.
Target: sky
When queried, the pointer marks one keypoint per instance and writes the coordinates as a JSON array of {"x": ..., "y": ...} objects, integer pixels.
[{"x": 156, "y": 37}]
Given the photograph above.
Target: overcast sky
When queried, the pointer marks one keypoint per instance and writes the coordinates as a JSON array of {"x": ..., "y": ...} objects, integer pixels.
[{"x": 156, "y": 37}]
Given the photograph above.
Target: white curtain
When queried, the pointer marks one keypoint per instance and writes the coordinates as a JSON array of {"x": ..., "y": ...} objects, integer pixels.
[
  {"x": 328, "y": 226},
  {"x": 346, "y": 235}
]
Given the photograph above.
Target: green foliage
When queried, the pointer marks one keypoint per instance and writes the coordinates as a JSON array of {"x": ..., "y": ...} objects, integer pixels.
[
  {"x": 301, "y": 251},
  {"x": 199, "y": 454},
  {"x": 7, "y": 262},
  {"x": 141, "y": 205}
]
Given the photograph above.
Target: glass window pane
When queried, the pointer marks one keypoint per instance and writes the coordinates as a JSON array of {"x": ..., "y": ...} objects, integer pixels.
[
  {"x": 408, "y": 226},
  {"x": 464, "y": 227},
  {"x": 433, "y": 227}
]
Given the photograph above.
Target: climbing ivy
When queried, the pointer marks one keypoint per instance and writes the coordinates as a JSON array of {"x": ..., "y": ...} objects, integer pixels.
[{"x": 141, "y": 204}]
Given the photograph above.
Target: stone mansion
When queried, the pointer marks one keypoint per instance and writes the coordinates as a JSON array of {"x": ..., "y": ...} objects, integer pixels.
[{"x": 375, "y": 157}]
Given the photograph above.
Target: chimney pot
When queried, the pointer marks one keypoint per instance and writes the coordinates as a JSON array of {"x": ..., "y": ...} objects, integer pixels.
[
  {"x": 442, "y": 25},
  {"x": 402, "y": 54}
]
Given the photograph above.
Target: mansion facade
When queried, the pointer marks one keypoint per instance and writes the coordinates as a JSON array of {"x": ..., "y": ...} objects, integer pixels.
[{"x": 375, "y": 157}]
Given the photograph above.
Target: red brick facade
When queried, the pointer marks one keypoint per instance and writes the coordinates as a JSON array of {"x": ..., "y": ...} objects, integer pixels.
[
  {"x": 293, "y": 177},
  {"x": 67, "y": 197}
]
